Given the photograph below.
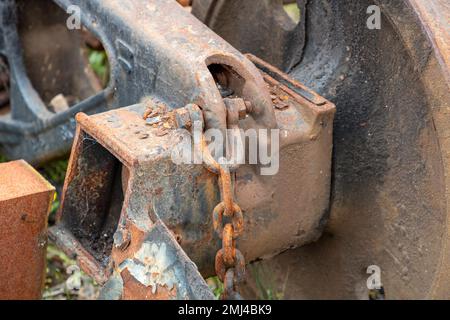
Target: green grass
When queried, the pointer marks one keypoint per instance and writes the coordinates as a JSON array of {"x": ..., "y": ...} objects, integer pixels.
[
  {"x": 293, "y": 12},
  {"x": 98, "y": 61},
  {"x": 3, "y": 158},
  {"x": 216, "y": 286},
  {"x": 55, "y": 171},
  {"x": 266, "y": 284},
  {"x": 54, "y": 208},
  {"x": 56, "y": 284}
]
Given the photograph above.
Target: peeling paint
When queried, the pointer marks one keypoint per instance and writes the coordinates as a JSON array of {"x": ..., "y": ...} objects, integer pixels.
[{"x": 152, "y": 266}]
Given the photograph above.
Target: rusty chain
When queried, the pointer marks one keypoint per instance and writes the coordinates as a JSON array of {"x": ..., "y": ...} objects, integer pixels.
[
  {"x": 228, "y": 219},
  {"x": 228, "y": 223}
]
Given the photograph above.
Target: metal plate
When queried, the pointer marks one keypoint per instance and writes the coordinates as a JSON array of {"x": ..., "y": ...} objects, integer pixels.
[{"x": 25, "y": 199}]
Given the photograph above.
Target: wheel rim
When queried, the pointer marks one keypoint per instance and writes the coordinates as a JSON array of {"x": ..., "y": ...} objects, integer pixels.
[{"x": 389, "y": 200}]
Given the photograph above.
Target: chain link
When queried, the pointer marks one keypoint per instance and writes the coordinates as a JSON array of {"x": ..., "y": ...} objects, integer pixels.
[
  {"x": 228, "y": 223},
  {"x": 229, "y": 262}
]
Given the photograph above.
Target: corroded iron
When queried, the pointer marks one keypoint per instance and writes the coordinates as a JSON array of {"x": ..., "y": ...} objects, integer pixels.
[
  {"x": 390, "y": 194},
  {"x": 25, "y": 199},
  {"x": 124, "y": 198}
]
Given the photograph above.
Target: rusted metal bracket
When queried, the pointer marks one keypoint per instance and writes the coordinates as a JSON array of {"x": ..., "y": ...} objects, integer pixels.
[
  {"x": 25, "y": 199},
  {"x": 123, "y": 192},
  {"x": 155, "y": 48}
]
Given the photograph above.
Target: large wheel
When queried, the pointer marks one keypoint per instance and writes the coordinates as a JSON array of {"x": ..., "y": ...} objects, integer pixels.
[{"x": 390, "y": 200}]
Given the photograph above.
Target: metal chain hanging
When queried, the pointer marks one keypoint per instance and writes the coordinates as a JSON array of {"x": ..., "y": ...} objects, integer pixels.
[{"x": 228, "y": 222}]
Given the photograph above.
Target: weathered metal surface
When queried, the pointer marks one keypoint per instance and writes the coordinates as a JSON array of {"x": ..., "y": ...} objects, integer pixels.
[
  {"x": 155, "y": 47},
  {"x": 153, "y": 266},
  {"x": 390, "y": 201},
  {"x": 435, "y": 17},
  {"x": 278, "y": 40},
  {"x": 25, "y": 199},
  {"x": 118, "y": 156}
]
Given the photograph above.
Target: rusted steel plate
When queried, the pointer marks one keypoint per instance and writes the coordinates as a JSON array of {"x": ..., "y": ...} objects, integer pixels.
[{"x": 25, "y": 199}]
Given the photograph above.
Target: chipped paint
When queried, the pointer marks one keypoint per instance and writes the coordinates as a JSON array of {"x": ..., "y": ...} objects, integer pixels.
[{"x": 152, "y": 266}]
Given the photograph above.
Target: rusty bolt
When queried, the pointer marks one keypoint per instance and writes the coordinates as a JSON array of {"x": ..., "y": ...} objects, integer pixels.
[{"x": 236, "y": 106}]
